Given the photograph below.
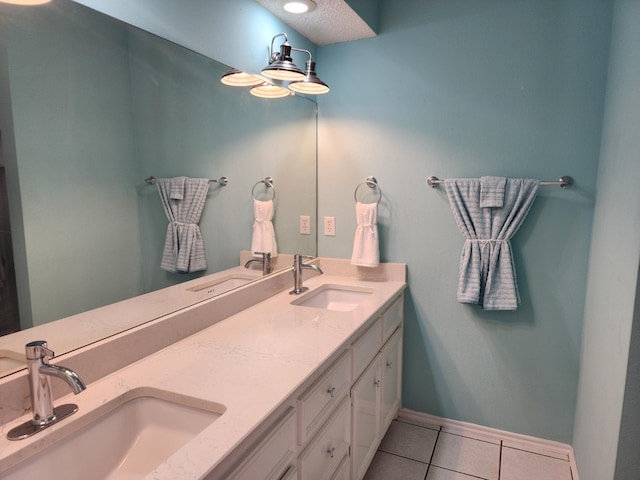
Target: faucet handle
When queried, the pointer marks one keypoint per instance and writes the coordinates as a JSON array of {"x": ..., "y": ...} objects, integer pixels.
[{"x": 38, "y": 350}]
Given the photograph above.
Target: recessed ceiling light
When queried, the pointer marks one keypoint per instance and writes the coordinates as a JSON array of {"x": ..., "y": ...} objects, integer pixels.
[{"x": 299, "y": 6}]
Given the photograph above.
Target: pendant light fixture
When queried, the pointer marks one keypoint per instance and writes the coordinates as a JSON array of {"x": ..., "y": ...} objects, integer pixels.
[
  {"x": 237, "y": 78},
  {"x": 280, "y": 69},
  {"x": 270, "y": 90},
  {"x": 281, "y": 66},
  {"x": 311, "y": 84}
]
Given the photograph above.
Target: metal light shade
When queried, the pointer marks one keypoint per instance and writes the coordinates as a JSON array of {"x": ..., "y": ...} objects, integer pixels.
[
  {"x": 282, "y": 67},
  {"x": 236, "y": 78},
  {"x": 269, "y": 90},
  {"x": 311, "y": 84}
]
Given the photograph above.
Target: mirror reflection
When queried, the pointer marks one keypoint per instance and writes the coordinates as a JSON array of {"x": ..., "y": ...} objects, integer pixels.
[{"x": 90, "y": 108}]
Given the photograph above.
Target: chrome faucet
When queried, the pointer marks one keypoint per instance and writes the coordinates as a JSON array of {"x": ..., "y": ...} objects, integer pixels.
[
  {"x": 40, "y": 373},
  {"x": 298, "y": 266},
  {"x": 265, "y": 262}
]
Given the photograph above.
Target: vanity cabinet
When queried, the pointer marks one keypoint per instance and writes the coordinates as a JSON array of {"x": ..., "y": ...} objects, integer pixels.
[
  {"x": 272, "y": 458},
  {"x": 333, "y": 428},
  {"x": 376, "y": 395}
]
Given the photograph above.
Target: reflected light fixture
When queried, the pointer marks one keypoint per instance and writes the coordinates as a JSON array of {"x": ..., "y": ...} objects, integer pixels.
[
  {"x": 311, "y": 84},
  {"x": 298, "y": 6},
  {"x": 237, "y": 78},
  {"x": 281, "y": 66},
  {"x": 270, "y": 90},
  {"x": 25, "y": 2}
]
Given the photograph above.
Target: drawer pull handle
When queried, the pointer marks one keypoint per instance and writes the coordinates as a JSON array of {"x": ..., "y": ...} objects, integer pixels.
[
  {"x": 376, "y": 383},
  {"x": 389, "y": 364},
  {"x": 331, "y": 452},
  {"x": 332, "y": 391}
]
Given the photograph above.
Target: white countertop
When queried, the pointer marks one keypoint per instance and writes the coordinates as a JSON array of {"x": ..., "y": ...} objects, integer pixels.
[{"x": 251, "y": 363}]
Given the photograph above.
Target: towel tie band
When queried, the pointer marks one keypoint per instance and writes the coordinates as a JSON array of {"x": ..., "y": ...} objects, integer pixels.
[{"x": 486, "y": 241}]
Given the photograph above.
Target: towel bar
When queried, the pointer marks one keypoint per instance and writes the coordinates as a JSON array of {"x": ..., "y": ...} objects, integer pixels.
[
  {"x": 223, "y": 181},
  {"x": 564, "y": 182}
]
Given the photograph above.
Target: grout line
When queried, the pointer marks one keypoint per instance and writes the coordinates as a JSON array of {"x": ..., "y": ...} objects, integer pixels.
[
  {"x": 433, "y": 452},
  {"x": 402, "y": 456},
  {"x": 500, "y": 461},
  {"x": 538, "y": 453}
]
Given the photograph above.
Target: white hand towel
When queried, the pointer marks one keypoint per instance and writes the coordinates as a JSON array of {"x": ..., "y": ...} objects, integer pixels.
[
  {"x": 264, "y": 236},
  {"x": 492, "y": 192},
  {"x": 366, "y": 251}
]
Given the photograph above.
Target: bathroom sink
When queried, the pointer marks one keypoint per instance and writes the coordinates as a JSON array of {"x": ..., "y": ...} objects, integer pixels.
[
  {"x": 128, "y": 442},
  {"x": 334, "y": 297},
  {"x": 223, "y": 284},
  {"x": 10, "y": 360}
]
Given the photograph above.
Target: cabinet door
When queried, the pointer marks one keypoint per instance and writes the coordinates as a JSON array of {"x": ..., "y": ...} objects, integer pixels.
[
  {"x": 365, "y": 417},
  {"x": 391, "y": 379}
]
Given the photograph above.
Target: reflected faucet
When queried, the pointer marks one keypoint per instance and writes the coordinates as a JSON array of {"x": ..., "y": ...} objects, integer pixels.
[
  {"x": 40, "y": 373},
  {"x": 298, "y": 266},
  {"x": 265, "y": 262}
]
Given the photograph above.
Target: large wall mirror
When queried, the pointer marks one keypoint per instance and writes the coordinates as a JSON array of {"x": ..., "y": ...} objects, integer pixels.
[{"x": 89, "y": 108}]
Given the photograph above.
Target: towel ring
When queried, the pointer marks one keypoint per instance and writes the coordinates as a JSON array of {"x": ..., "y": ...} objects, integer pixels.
[
  {"x": 268, "y": 182},
  {"x": 372, "y": 183}
]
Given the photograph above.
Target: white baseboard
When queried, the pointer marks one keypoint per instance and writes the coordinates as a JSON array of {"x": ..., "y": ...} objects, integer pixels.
[{"x": 542, "y": 446}]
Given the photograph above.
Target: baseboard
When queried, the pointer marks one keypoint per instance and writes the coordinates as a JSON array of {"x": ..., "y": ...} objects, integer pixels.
[{"x": 542, "y": 446}]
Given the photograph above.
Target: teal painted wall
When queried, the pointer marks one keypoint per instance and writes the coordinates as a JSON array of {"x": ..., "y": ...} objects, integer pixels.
[
  {"x": 608, "y": 347},
  {"x": 458, "y": 88}
]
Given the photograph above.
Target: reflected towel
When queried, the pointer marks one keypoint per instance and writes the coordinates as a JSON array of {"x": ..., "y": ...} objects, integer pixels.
[
  {"x": 264, "y": 236},
  {"x": 184, "y": 247},
  {"x": 176, "y": 191},
  {"x": 366, "y": 251},
  {"x": 492, "y": 192}
]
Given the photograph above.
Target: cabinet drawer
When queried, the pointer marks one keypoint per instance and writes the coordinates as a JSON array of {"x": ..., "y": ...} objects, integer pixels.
[
  {"x": 272, "y": 456},
  {"x": 317, "y": 402},
  {"x": 321, "y": 458},
  {"x": 392, "y": 318},
  {"x": 366, "y": 347}
]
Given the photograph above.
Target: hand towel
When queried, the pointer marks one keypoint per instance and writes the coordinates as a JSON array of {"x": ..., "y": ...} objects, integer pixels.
[
  {"x": 366, "y": 250},
  {"x": 264, "y": 236},
  {"x": 176, "y": 191},
  {"x": 492, "y": 192}
]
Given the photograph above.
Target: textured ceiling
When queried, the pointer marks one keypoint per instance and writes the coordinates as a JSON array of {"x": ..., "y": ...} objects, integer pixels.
[{"x": 332, "y": 21}]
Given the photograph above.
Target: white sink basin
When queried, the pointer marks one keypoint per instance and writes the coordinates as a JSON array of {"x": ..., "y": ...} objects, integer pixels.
[
  {"x": 223, "y": 284},
  {"x": 334, "y": 297},
  {"x": 10, "y": 361},
  {"x": 126, "y": 443}
]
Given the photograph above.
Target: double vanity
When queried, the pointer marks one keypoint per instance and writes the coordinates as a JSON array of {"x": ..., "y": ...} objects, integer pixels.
[{"x": 253, "y": 384}]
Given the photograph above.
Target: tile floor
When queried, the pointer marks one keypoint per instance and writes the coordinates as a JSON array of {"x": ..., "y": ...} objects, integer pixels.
[{"x": 413, "y": 452}]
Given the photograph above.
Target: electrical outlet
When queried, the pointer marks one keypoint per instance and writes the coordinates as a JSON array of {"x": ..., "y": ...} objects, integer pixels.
[
  {"x": 330, "y": 226},
  {"x": 305, "y": 225}
]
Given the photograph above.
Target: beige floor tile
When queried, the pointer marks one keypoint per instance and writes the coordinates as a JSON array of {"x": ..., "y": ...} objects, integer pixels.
[
  {"x": 467, "y": 455},
  {"x": 437, "y": 473},
  {"x": 409, "y": 441},
  {"x": 521, "y": 465},
  {"x": 386, "y": 466}
]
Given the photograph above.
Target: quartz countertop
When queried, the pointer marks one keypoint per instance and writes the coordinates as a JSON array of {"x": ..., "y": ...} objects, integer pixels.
[{"x": 251, "y": 363}]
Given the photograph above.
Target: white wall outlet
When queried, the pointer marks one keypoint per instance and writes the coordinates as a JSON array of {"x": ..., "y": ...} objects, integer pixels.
[
  {"x": 305, "y": 225},
  {"x": 330, "y": 226}
]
